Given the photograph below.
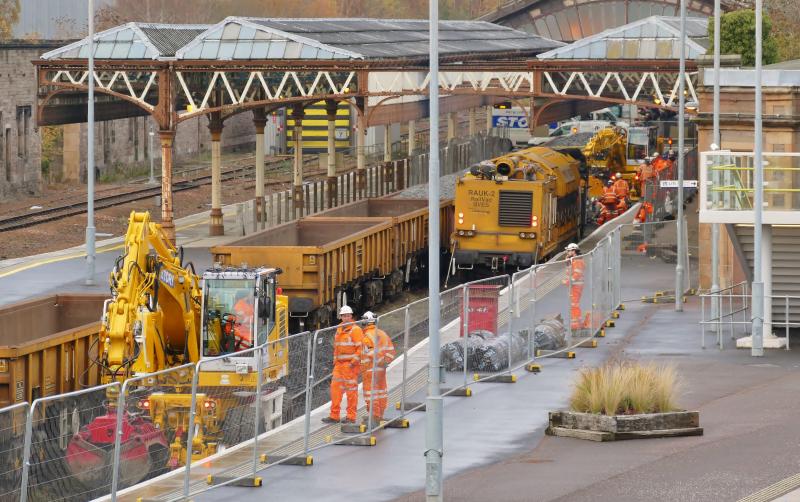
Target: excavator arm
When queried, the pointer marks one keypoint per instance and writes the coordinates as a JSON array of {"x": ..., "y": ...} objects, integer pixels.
[
  {"x": 153, "y": 318},
  {"x": 605, "y": 151}
]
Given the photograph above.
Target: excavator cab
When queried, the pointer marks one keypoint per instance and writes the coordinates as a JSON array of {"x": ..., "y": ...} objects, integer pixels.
[{"x": 238, "y": 310}]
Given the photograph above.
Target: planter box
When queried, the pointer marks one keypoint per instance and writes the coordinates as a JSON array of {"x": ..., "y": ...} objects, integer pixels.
[{"x": 611, "y": 428}]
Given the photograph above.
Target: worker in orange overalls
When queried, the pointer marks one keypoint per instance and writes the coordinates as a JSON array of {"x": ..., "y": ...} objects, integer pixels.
[
  {"x": 646, "y": 172},
  {"x": 243, "y": 331},
  {"x": 621, "y": 187},
  {"x": 576, "y": 269},
  {"x": 346, "y": 365},
  {"x": 377, "y": 352},
  {"x": 609, "y": 204}
]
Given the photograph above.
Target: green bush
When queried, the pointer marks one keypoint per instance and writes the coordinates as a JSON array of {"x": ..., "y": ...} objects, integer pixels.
[{"x": 738, "y": 36}]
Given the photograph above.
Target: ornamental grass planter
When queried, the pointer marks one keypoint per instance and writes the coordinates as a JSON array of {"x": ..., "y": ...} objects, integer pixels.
[{"x": 597, "y": 427}]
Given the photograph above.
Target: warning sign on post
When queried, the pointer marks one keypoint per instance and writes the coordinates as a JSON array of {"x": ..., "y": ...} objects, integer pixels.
[{"x": 674, "y": 183}]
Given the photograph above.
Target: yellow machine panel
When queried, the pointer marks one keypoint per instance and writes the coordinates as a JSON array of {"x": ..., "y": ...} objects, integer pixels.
[{"x": 514, "y": 210}]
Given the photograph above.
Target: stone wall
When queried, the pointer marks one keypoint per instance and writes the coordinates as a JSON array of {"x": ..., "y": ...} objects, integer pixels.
[
  {"x": 20, "y": 143},
  {"x": 120, "y": 145},
  {"x": 124, "y": 144}
]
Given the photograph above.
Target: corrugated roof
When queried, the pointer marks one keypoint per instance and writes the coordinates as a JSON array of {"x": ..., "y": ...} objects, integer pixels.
[
  {"x": 168, "y": 39},
  {"x": 654, "y": 37},
  {"x": 132, "y": 41},
  {"x": 239, "y": 38},
  {"x": 407, "y": 38}
]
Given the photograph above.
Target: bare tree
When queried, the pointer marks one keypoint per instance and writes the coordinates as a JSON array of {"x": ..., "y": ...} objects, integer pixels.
[{"x": 9, "y": 15}]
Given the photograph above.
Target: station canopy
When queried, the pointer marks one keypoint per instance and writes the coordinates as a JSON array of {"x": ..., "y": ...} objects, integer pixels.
[
  {"x": 247, "y": 38},
  {"x": 654, "y": 37}
]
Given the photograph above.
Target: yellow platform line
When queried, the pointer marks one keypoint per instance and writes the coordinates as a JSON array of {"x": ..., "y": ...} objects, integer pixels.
[{"x": 77, "y": 254}]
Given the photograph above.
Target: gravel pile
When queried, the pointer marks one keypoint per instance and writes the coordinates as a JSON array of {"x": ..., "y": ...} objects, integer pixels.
[
  {"x": 447, "y": 189},
  {"x": 578, "y": 139}
]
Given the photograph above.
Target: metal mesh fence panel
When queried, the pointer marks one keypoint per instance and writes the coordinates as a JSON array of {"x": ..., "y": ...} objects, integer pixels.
[
  {"x": 648, "y": 250},
  {"x": 581, "y": 285},
  {"x": 601, "y": 294},
  {"x": 294, "y": 401},
  {"x": 69, "y": 459},
  {"x": 12, "y": 447},
  {"x": 483, "y": 341},
  {"x": 283, "y": 401},
  {"x": 397, "y": 326},
  {"x": 550, "y": 306},
  {"x": 152, "y": 413},
  {"x": 520, "y": 318},
  {"x": 227, "y": 395}
]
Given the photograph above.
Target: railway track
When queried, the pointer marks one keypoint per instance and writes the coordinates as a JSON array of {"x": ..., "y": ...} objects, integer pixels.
[{"x": 103, "y": 202}]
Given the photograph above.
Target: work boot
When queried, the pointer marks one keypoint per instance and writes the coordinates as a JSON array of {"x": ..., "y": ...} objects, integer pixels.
[
  {"x": 348, "y": 421},
  {"x": 330, "y": 420}
]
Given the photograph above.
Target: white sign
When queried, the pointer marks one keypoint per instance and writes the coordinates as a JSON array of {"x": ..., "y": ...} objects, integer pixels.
[{"x": 674, "y": 183}]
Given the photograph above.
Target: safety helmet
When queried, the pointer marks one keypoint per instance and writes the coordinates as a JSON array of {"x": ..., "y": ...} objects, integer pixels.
[
  {"x": 369, "y": 317},
  {"x": 571, "y": 247},
  {"x": 345, "y": 310}
]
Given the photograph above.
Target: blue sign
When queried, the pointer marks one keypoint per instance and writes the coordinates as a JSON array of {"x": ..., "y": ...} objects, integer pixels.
[{"x": 510, "y": 122}]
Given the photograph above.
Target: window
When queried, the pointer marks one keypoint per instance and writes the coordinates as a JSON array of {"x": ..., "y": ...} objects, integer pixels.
[
  {"x": 134, "y": 130},
  {"x": 23, "y": 125},
  {"x": 7, "y": 152}
]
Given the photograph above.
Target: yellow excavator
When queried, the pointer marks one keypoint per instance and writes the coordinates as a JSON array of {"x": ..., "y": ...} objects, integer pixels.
[
  {"x": 605, "y": 155},
  {"x": 162, "y": 315}
]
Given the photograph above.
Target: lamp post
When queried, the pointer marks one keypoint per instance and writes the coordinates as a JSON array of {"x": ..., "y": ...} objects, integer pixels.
[
  {"x": 758, "y": 204},
  {"x": 679, "y": 268},
  {"x": 433, "y": 409},
  {"x": 716, "y": 142},
  {"x": 90, "y": 228}
]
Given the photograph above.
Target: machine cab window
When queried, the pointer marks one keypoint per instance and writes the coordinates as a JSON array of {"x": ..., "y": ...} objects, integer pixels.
[{"x": 238, "y": 313}]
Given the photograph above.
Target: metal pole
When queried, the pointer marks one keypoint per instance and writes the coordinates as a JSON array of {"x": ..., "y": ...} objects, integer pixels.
[
  {"x": 406, "y": 330},
  {"x": 758, "y": 185},
  {"x": 26, "y": 453},
  {"x": 465, "y": 319},
  {"x": 90, "y": 230},
  {"x": 433, "y": 409},
  {"x": 681, "y": 134},
  {"x": 152, "y": 179},
  {"x": 259, "y": 389},
  {"x": 510, "y": 320},
  {"x": 118, "y": 441},
  {"x": 190, "y": 436},
  {"x": 310, "y": 357},
  {"x": 717, "y": 140}
]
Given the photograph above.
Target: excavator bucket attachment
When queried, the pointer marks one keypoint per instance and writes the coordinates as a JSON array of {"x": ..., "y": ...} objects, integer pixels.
[{"x": 90, "y": 453}]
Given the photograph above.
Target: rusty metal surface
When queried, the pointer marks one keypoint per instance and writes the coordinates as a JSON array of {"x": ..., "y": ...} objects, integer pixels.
[{"x": 36, "y": 320}]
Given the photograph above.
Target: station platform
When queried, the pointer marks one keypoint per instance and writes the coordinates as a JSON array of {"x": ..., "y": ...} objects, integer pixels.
[{"x": 495, "y": 447}]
